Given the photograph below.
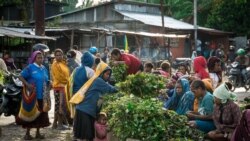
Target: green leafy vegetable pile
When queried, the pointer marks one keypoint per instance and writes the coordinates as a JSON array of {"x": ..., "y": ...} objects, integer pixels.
[
  {"x": 143, "y": 85},
  {"x": 144, "y": 119},
  {"x": 119, "y": 72},
  {"x": 135, "y": 112}
]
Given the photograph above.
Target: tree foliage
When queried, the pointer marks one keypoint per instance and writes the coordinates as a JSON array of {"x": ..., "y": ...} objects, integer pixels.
[
  {"x": 7, "y": 2},
  {"x": 86, "y": 3},
  {"x": 230, "y": 15},
  {"x": 71, "y": 5}
]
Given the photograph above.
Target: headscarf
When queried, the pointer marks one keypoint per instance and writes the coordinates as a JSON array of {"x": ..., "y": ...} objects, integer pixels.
[
  {"x": 172, "y": 103},
  {"x": 104, "y": 71},
  {"x": 200, "y": 65},
  {"x": 223, "y": 93},
  {"x": 80, "y": 94},
  {"x": 87, "y": 59},
  {"x": 33, "y": 56}
]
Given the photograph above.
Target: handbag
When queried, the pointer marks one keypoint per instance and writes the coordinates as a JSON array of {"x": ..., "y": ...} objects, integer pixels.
[{"x": 46, "y": 99}]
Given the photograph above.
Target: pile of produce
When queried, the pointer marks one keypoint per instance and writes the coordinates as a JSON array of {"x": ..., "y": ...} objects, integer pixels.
[
  {"x": 143, "y": 85},
  {"x": 119, "y": 72},
  {"x": 144, "y": 119},
  {"x": 135, "y": 112}
]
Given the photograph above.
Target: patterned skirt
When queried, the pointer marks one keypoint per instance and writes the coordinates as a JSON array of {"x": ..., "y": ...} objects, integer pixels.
[
  {"x": 66, "y": 114},
  {"x": 41, "y": 121}
]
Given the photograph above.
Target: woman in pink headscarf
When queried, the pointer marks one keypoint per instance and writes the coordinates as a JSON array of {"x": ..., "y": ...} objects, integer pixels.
[
  {"x": 200, "y": 65},
  {"x": 32, "y": 113}
]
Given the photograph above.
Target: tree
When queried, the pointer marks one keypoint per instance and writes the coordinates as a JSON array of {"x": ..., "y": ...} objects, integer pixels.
[
  {"x": 23, "y": 5},
  {"x": 7, "y": 2},
  {"x": 71, "y": 5},
  {"x": 86, "y": 3},
  {"x": 230, "y": 16}
]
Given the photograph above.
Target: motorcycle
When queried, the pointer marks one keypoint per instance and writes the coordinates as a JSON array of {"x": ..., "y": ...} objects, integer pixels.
[
  {"x": 236, "y": 79},
  {"x": 10, "y": 95},
  {"x": 179, "y": 61},
  {"x": 228, "y": 67}
]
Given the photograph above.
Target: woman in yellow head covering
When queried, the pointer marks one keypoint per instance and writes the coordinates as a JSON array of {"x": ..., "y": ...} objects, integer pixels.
[{"x": 86, "y": 102}]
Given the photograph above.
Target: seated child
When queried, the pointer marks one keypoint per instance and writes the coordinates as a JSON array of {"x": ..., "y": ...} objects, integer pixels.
[
  {"x": 101, "y": 127},
  {"x": 148, "y": 67}
]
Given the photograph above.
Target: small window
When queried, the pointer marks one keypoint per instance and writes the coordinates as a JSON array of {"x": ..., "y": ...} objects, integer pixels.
[{"x": 174, "y": 42}]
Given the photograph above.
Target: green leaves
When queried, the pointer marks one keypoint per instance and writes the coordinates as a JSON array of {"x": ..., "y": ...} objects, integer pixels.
[
  {"x": 230, "y": 16},
  {"x": 134, "y": 117},
  {"x": 135, "y": 112},
  {"x": 142, "y": 85},
  {"x": 119, "y": 72},
  {"x": 1, "y": 77}
]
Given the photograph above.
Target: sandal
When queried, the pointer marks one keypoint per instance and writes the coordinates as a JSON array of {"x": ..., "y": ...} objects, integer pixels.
[
  {"x": 28, "y": 137},
  {"x": 39, "y": 136}
]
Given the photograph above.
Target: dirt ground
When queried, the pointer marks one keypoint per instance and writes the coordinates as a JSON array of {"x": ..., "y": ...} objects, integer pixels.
[{"x": 12, "y": 132}]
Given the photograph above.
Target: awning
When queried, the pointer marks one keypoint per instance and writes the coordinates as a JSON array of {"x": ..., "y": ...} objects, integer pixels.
[
  {"x": 16, "y": 33},
  {"x": 65, "y": 29},
  {"x": 151, "y": 34}
]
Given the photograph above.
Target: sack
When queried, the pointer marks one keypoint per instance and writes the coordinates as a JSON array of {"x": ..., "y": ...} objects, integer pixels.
[
  {"x": 46, "y": 105},
  {"x": 46, "y": 100},
  {"x": 29, "y": 107},
  {"x": 77, "y": 98}
]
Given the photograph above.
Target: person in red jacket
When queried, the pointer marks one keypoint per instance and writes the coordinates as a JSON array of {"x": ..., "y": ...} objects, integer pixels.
[{"x": 134, "y": 65}]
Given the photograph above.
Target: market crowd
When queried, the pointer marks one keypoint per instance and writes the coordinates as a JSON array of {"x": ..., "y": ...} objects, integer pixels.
[{"x": 80, "y": 79}]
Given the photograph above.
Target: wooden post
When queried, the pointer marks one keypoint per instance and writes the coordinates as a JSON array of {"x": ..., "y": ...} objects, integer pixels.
[
  {"x": 72, "y": 39},
  {"x": 39, "y": 9}
]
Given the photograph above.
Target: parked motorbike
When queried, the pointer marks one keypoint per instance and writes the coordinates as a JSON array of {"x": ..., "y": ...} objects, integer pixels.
[
  {"x": 10, "y": 95},
  {"x": 235, "y": 77},
  {"x": 178, "y": 61},
  {"x": 228, "y": 67}
]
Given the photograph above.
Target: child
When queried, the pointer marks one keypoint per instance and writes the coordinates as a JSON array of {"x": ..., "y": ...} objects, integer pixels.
[
  {"x": 148, "y": 67},
  {"x": 101, "y": 127}
]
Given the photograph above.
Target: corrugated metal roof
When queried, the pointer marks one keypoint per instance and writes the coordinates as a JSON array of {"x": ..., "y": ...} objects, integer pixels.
[
  {"x": 151, "y": 34},
  {"x": 15, "y": 33},
  {"x": 66, "y": 29},
  {"x": 171, "y": 23},
  {"x": 156, "y": 20}
]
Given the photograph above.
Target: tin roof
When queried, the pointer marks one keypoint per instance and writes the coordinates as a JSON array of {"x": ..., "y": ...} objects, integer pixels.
[
  {"x": 17, "y": 32},
  {"x": 156, "y": 20},
  {"x": 169, "y": 22},
  {"x": 151, "y": 34}
]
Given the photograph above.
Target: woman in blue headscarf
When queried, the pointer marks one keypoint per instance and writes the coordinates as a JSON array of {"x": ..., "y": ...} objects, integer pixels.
[
  {"x": 84, "y": 72},
  {"x": 182, "y": 99},
  {"x": 79, "y": 77}
]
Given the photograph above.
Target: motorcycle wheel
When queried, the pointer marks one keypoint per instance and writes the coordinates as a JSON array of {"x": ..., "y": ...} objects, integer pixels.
[
  {"x": 233, "y": 88},
  {"x": 1, "y": 104},
  {"x": 247, "y": 87},
  {"x": 234, "y": 84}
]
